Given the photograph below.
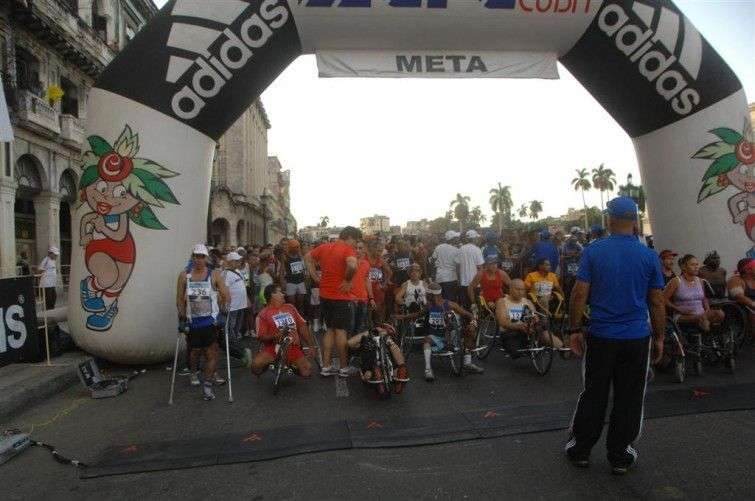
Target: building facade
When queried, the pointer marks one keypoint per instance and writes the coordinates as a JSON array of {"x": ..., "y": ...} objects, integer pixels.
[
  {"x": 50, "y": 53},
  {"x": 250, "y": 192},
  {"x": 374, "y": 225},
  {"x": 416, "y": 228}
]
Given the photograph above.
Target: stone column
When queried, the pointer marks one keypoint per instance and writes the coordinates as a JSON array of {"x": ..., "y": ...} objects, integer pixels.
[
  {"x": 7, "y": 228},
  {"x": 47, "y": 221}
]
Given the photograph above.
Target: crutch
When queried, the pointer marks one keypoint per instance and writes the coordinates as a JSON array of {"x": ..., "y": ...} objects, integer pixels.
[
  {"x": 175, "y": 363},
  {"x": 228, "y": 357}
]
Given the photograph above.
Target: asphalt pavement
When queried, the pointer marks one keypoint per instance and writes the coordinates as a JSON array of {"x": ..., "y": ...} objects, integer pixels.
[{"x": 689, "y": 457}]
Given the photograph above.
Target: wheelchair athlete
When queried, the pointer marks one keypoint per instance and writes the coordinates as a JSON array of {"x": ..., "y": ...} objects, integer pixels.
[
  {"x": 276, "y": 317},
  {"x": 510, "y": 313},
  {"x": 364, "y": 345},
  {"x": 685, "y": 295}
]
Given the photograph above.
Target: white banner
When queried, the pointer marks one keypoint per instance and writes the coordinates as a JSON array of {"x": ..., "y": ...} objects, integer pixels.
[
  {"x": 6, "y": 133},
  {"x": 436, "y": 64}
]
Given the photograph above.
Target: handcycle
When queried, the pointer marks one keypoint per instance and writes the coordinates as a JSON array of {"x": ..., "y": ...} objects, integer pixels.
[
  {"x": 556, "y": 318},
  {"x": 408, "y": 324},
  {"x": 537, "y": 343},
  {"x": 455, "y": 344},
  {"x": 280, "y": 364},
  {"x": 378, "y": 360},
  {"x": 708, "y": 348}
]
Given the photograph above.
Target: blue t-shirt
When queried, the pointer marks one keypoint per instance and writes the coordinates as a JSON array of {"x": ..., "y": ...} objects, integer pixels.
[
  {"x": 491, "y": 250},
  {"x": 621, "y": 272},
  {"x": 546, "y": 250}
]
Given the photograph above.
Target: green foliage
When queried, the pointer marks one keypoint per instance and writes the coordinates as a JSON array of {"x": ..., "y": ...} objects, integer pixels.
[
  {"x": 99, "y": 146},
  {"x": 710, "y": 187},
  {"x": 715, "y": 150},
  {"x": 146, "y": 218},
  {"x": 90, "y": 175},
  {"x": 156, "y": 187},
  {"x": 729, "y": 136},
  {"x": 721, "y": 165}
]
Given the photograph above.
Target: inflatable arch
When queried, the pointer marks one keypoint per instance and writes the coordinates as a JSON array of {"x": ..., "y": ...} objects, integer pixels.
[{"x": 157, "y": 110}]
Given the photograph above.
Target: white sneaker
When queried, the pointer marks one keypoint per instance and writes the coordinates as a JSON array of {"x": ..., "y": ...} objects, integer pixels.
[
  {"x": 429, "y": 376},
  {"x": 217, "y": 380},
  {"x": 346, "y": 371},
  {"x": 473, "y": 369},
  {"x": 328, "y": 371},
  {"x": 194, "y": 379},
  {"x": 207, "y": 392}
]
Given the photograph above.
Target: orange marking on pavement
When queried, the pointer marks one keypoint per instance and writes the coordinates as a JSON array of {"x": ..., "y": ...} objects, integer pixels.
[
  {"x": 254, "y": 437},
  {"x": 490, "y": 415},
  {"x": 700, "y": 393},
  {"x": 374, "y": 424},
  {"x": 130, "y": 449}
]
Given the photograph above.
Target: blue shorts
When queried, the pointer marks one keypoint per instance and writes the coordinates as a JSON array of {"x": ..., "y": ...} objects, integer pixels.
[{"x": 437, "y": 343}]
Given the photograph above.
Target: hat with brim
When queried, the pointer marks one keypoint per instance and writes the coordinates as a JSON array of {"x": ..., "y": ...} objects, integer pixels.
[
  {"x": 54, "y": 250},
  {"x": 622, "y": 208},
  {"x": 200, "y": 250}
]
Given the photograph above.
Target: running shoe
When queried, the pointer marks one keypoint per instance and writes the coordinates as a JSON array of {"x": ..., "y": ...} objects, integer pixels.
[
  {"x": 580, "y": 460},
  {"x": 217, "y": 380},
  {"x": 246, "y": 360},
  {"x": 207, "y": 392},
  {"x": 473, "y": 369},
  {"x": 328, "y": 371},
  {"x": 429, "y": 376},
  {"x": 194, "y": 379},
  {"x": 345, "y": 372},
  {"x": 184, "y": 372}
]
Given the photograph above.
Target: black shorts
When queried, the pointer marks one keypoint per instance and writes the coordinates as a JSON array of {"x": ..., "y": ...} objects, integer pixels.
[
  {"x": 202, "y": 337},
  {"x": 361, "y": 313},
  {"x": 338, "y": 314}
]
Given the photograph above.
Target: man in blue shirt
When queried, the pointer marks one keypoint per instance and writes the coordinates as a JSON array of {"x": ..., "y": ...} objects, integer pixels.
[
  {"x": 546, "y": 249},
  {"x": 622, "y": 281}
]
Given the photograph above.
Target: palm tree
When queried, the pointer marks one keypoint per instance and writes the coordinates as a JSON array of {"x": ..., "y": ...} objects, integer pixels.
[
  {"x": 536, "y": 207},
  {"x": 460, "y": 205},
  {"x": 604, "y": 180},
  {"x": 501, "y": 203},
  {"x": 324, "y": 221},
  {"x": 476, "y": 217},
  {"x": 582, "y": 183},
  {"x": 523, "y": 211}
]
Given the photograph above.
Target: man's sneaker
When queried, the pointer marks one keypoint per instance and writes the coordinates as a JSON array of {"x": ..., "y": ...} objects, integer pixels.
[
  {"x": 194, "y": 379},
  {"x": 473, "y": 369},
  {"x": 580, "y": 460},
  {"x": 345, "y": 372},
  {"x": 328, "y": 371},
  {"x": 184, "y": 372},
  {"x": 217, "y": 380},
  {"x": 246, "y": 360},
  {"x": 352, "y": 370},
  {"x": 429, "y": 376},
  {"x": 207, "y": 392}
]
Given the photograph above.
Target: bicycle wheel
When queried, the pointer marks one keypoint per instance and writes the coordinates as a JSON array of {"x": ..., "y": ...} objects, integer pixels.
[
  {"x": 278, "y": 368},
  {"x": 541, "y": 353},
  {"x": 459, "y": 355},
  {"x": 490, "y": 340}
]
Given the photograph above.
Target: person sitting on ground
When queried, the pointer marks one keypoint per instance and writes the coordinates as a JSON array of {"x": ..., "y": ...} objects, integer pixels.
[
  {"x": 492, "y": 281},
  {"x": 686, "y": 297},
  {"x": 543, "y": 283},
  {"x": 412, "y": 294},
  {"x": 364, "y": 345},
  {"x": 509, "y": 311},
  {"x": 715, "y": 275},
  {"x": 436, "y": 329},
  {"x": 273, "y": 322},
  {"x": 742, "y": 288},
  {"x": 667, "y": 265}
]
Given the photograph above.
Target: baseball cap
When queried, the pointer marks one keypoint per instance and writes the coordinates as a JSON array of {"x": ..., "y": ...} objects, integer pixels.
[
  {"x": 54, "y": 250},
  {"x": 450, "y": 235},
  {"x": 434, "y": 289},
  {"x": 491, "y": 260},
  {"x": 575, "y": 230},
  {"x": 622, "y": 208},
  {"x": 473, "y": 234},
  {"x": 668, "y": 253},
  {"x": 233, "y": 256},
  {"x": 200, "y": 249},
  {"x": 545, "y": 235}
]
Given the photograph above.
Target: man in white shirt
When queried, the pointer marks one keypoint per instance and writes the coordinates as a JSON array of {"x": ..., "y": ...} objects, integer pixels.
[
  {"x": 236, "y": 284},
  {"x": 445, "y": 257},
  {"x": 470, "y": 261},
  {"x": 49, "y": 269}
]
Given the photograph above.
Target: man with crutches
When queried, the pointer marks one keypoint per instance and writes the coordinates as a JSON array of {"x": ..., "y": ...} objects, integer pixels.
[{"x": 201, "y": 294}]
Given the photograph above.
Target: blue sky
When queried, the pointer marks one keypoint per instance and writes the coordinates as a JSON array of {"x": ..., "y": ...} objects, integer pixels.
[{"x": 403, "y": 149}]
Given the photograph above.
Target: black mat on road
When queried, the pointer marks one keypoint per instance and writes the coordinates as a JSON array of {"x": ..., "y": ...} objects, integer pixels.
[{"x": 260, "y": 445}]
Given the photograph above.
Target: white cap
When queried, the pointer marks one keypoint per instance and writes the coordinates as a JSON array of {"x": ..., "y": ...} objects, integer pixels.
[
  {"x": 200, "y": 249},
  {"x": 450, "y": 235},
  {"x": 473, "y": 234},
  {"x": 233, "y": 256},
  {"x": 54, "y": 250}
]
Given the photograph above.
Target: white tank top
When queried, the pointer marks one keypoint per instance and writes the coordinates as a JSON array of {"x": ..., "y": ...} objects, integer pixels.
[
  {"x": 202, "y": 301},
  {"x": 415, "y": 293}
]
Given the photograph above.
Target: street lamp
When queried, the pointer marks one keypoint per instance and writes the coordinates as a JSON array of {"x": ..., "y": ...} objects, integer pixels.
[{"x": 265, "y": 197}]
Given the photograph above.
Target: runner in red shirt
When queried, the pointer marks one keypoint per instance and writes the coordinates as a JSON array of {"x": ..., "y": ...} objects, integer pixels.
[
  {"x": 380, "y": 276},
  {"x": 493, "y": 282},
  {"x": 363, "y": 294},
  {"x": 338, "y": 264},
  {"x": 275, "y": 317}
]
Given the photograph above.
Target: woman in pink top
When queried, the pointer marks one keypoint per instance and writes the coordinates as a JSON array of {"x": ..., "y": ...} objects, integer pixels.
[{"x": 686, "y": 297}]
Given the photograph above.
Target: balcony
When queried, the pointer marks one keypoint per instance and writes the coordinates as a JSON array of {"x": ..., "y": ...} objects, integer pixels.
[
  {"x": 71, "y": 131},
  {"x": 35, "y": 113}
]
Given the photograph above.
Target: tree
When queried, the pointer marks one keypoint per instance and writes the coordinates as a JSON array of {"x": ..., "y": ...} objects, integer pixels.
[
  {"x": 582, "y": 183},
  {"x": 523, "y": 211},
  {"x": 324, "y": 221},
  {"x": 440, "y": 225},
  {"x": 536, "y": 207},
  {"x": 501, "y": 203},
  {"x": 460, "y": 206},
  {"x": 476, "y": 217},
  {"x": 604, "y": 180}
]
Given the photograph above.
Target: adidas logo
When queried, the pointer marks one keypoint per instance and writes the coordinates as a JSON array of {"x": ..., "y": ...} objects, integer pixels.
[
  {"x": 215, "y": 63},
  {"x": 652, "y": 39}
]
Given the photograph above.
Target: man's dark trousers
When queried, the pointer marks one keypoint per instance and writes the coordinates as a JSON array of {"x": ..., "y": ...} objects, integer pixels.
[{"x": 622, "y": 364}]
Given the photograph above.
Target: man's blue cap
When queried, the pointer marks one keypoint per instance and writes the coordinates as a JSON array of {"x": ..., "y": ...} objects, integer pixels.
[
  {"x": 596, "y": 228},
  {"x": 622, "y": 208},
  {"x": 545, "y": 235},
  {"x": 490, "y": 236}
]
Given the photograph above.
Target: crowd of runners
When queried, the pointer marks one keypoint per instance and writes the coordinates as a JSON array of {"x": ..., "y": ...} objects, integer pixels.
[{"x": 341, "y": 289}]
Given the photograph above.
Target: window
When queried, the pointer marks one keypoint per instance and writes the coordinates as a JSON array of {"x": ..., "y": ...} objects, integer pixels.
[
  {"x": 27, "y": 71},
  {"x": 69, "y": 105}
]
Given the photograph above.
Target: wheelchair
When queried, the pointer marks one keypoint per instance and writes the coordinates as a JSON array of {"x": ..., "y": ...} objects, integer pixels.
[
  {"x": 556, "y": 317},
  {"x": 675, "y": 354},
  {"x": 714, "y": 348},
  {"x": 409, "y": 331}
]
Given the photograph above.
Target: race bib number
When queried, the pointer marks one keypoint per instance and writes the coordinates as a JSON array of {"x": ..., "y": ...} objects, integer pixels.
[
  {"x": 376, "y": 275},
  {"x": 283, "y": 320},
  {"x": 297, "y": 267},
  {"x": 200, "y": 299},
  {"x": 436, "y": 319},
  {"x": 507, "y": 265},
  {"x": 515, "y": 314},
  {"x": 572, "y": 269},
  {"x": 403, "y": 263},
  {"x": 543, "y": 288}
]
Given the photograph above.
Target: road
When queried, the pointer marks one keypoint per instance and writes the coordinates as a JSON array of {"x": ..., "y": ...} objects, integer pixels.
[{"x": 687, "y": 457}]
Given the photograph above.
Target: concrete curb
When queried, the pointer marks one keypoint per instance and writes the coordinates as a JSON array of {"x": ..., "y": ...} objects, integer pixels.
[{"x": 39, "y": 384}]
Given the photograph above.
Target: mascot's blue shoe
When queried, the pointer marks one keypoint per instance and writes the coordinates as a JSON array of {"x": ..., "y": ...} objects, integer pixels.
[
  {"x": 103, "y": 321},
  {"x": 89, "y": 301}
]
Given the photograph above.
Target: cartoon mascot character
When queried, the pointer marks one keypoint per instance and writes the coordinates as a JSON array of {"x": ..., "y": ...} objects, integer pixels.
[{"x": 118, "y": 189}]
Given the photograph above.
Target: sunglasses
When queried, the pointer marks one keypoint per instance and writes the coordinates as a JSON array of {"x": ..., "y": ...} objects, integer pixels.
[{"x": 198, "y": 256}]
